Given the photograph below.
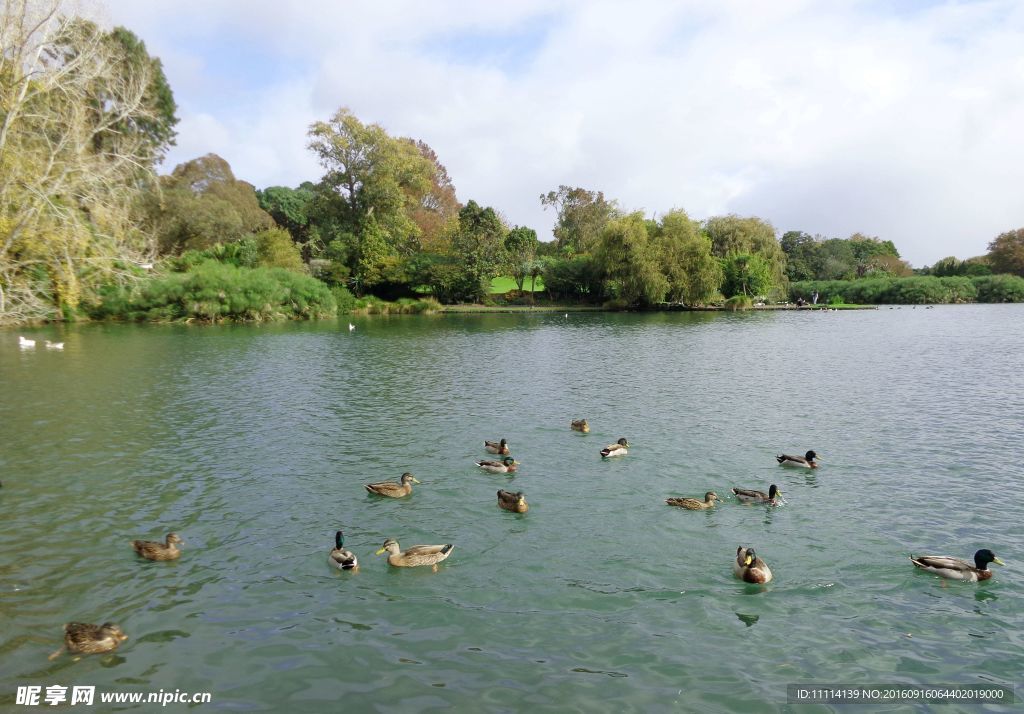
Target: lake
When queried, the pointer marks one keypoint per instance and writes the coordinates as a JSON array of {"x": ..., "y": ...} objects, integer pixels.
[{"x": 254, "y": 441}]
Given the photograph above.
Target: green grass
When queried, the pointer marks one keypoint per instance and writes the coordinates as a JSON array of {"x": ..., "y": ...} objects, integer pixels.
[{"x": 505, "y": 283}]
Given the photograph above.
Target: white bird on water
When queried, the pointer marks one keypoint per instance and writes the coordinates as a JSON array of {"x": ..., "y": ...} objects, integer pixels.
[
  {"x": 54, "y": 345},
  {"x": 24, "y": 343},
  {"x": 351, "y": 327}
]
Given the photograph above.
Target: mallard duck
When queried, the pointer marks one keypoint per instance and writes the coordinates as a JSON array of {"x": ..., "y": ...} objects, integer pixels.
[
  {"x": 514, "y": 502},
  {"x": 54, "y": 345},
  {"x": 694, "y": 504},
  {"x": 956, "y": 568},
  {"x": 749, "y": 568},
  {"x": 619, "y": 448},
  {"x": 25, "y": 343},
  {"x": 80, "y": 637},
  {"x": 506, "y": 465},
  {"x": 580, "y": 425},
  {"x": 748, "y": 496},
  {"x": 417, "y": 555},
  {"x": 341, "y": 558},
  {"x": 155, "y": 550},
  {"x": 806, "y": 461},
  {"x": 497, "y": 447},
  {"x": 392, "y": 489}
]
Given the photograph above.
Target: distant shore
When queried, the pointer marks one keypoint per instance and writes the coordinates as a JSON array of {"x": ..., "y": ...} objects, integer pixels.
[{"x": 664, "y": 308}]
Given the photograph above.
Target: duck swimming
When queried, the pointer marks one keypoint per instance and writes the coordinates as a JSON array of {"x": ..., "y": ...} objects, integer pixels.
[
  {"x": 341, "y": 558},
  {"x": 392, "y": 489},
  {"x": 956, "y": 568},
  {"x": 155, "y": 550},
  {"x": 749, "y": 568},
  {"x": 750, "y": 496},
  {"x": 807, "y": 461},
  {"x": 80, "y": 637},
  {"x": 619, "y": 448},
  {"x": 506, "y": 465},
  {"x": 416, "y": 555},
  {"x": 694, "y": 504},
  {"x": 580, "y": 425},
  {"x": 497, "y": 447},
  {"x": 514, "y": 502}
]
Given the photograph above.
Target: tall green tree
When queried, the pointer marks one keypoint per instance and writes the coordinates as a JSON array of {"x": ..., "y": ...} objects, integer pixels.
[
  {"x": 478, "y": 246},
  {"x": 800, "y": 249},
  {"x": 747, "y": 274},
  {"x": 1006, "y": 252},
  {"x": 733, "y": 235},
  {"x": 520, "y": 252},
  {"x": 201, "y": 204},
  {"x": 582, "y": 216},
  {"x": 366, "y": 198},
  {"x": 629, "y": 260},
  {"x": 694, "y": 274}
]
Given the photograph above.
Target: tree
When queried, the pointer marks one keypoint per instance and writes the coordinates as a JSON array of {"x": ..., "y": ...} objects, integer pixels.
[
  {"x": 693, "y": 273},
  {"x": 629, "y": 261},
  {"x": 201, "y": 204},
  {"x": 835, "y": 260},
  {"x": 275, "y": 249},
  {"x": 520, "y": 251},
  {"x": 800, "y": 249},
  {"x": 582, "y": 215},
  {"x": 1006, "y": 252},
  {"x": 79, "y": 135},
  {"x": 747, "y": 274},
  {"x": 290, "y": 208},
  {"x": 373, "y": 184},
  {"x": 437, "y": 210},
  {"x": 478, "y": 245},
  {"x": 732, "y": 235}
]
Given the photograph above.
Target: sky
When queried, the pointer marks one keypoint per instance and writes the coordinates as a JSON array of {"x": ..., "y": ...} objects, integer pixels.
[{"x": 900, "y": 119}]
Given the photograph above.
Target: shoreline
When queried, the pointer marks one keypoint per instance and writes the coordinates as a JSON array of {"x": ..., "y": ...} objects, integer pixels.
[{"x": 468, "y": 309}]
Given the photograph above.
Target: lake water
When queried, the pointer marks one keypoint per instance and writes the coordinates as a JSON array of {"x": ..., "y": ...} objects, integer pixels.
[{"x": 253, "y": 442}]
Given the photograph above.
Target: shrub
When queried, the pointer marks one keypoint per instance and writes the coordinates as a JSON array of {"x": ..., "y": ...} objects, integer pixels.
[
  {"x": 738, "y": 302},
  {"x": 214, "y": 291},
  {"x": 999, "y": 288}
]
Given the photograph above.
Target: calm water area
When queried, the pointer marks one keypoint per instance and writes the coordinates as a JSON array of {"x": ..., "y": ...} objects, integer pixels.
[{"x": 253, "y": 442}]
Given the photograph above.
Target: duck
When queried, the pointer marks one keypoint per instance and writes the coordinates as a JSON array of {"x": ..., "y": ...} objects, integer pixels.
[
  {"x": 694, "y": 504},
  {"x": 619, "y": 448},
  {"x": 514, "y": 502},
  {"x": 54, "y": 345},
  {"x": 956, "y": 568},
  {"x": 806, "y": 461},
  {"x": 155, "y": 550},
  {"x": 25, "y": 343},
  {"x": 506, "y": 465},
  {"x": 392, "y": 489},
  {"x": 340, "y": 557},
  {"x": 416, "y": 555},
  {"x": 580, "y": 425},
  {"x": 497, "y": 447},
  {"x": 750, "y": 568},
  {"x": 80, "y": 637},
  {"x": 748, "y": 496}
]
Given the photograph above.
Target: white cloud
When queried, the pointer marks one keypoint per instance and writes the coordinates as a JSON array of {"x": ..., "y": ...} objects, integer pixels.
[{"x": 826, "y": 119}]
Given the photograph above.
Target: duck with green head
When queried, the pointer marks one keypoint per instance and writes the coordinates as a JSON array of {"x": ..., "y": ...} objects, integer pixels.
[
  {"x": 749, "y": 568},
  {"x": 746, "y": 495},
  {"x": 506, "y": 465},
  {"x": 340, "y": 557},
  {"x": 957, "y": 568},
  {"x": 619, "y": 448}
]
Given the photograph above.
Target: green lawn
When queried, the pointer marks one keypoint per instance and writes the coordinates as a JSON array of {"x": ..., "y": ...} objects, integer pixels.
[{"x": 506, "y": 283}]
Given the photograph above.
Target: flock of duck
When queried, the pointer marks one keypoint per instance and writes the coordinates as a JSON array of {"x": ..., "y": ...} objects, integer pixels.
[{"x": 748, "y": 566}]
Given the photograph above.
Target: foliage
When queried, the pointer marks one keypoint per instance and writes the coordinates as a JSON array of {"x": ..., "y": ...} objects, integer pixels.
[
  {"x": 290, "y": 208},
  {"x": 1006, "y": 252},
  {"x": 365, "y": 200},
  {"x": 202, "y": 203},
  {"x": 738, "y": 302},
  {"x": 582, "y": 216},
  {"x": 628, "y": 260},
  {"x": 520, "y": 252},
  {"x": 275, "y": 249},
  {"x": 574, "y": 278},
  {"x": 214, "y": 292},
  {"x": 747, "y": 274},
  {"x": 84, "y": 116},
  {"x": 478, "y": 247},
  {"x": 732, "y": 235},
  {"x": 694, "y": 275},
  {"x": 916, "y": 290}
]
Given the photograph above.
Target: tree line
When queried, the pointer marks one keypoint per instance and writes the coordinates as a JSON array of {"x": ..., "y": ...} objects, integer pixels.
[{"x": 88, "y": 227}]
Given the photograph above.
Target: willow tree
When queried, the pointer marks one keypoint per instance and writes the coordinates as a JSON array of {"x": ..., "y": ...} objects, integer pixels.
[
  {"x": 693, "y": 272},
  {"x": 83, "y": 119}
]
